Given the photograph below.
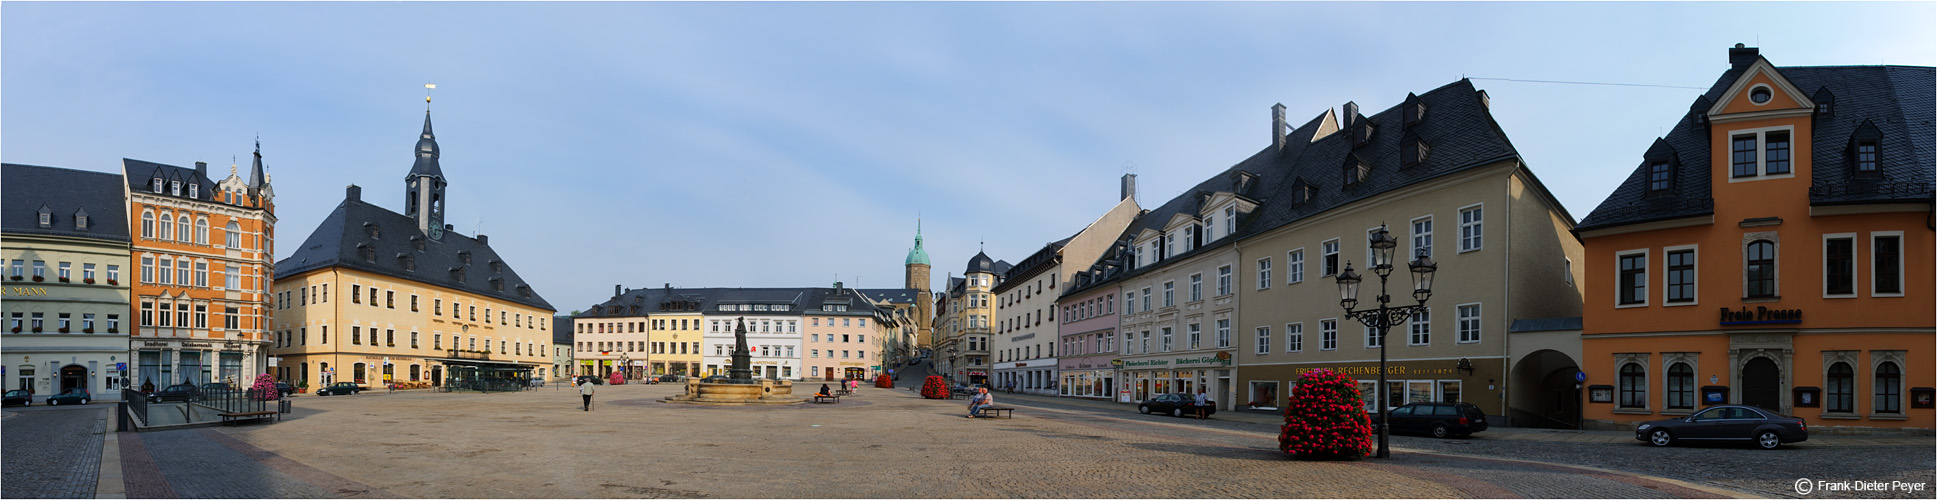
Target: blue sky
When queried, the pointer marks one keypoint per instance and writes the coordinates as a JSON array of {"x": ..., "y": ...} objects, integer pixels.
[{"x": 763, "y": 144}]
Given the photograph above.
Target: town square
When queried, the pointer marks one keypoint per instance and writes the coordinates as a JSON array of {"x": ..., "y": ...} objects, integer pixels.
[{"x": 968, "y": 250}]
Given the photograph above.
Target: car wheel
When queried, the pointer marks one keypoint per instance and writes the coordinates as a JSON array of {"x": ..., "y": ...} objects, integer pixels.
[
  {"x": 1768, "y": 440},
  {"x": 53, "y": 402},
  {"x": 1660, "y": 437},
  {"x": 1177, "y": 412},
  {"x": 1143, "y": 409},
  {"x": 1439, "y": 431}
]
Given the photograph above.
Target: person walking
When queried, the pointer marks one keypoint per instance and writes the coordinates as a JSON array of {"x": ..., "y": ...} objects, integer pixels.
[
  {"x": 1203, "y": 401},
  {"x": 981, "y": 400},
  {"x": 585, "y": 390}
]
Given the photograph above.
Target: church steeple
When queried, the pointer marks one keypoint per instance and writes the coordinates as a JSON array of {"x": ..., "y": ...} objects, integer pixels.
[
  {"x": 424, "y": 186},
  {"x": 917, "y": 265}
]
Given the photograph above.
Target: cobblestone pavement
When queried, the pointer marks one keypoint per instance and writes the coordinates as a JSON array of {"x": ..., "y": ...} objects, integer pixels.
[
  {"x": 883, "y": 444},
  {"x": 52, "y": 452}
]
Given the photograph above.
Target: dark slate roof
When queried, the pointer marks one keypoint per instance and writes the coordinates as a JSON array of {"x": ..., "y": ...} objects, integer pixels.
[
  {"x": 25, "y": 189},
  {"x": 891, "y": 295},
  {"x": 427, "y": 153},
  {"x": 140, "y": 175},
  {"x": 562, "y": 329},
  {"x": 1049, "y": 255},
  {"x": 343, "y": 235},
  {"x": 981, "y": 263},
  {"x": 1898, "y": 100},
  {"x": 647, "y": 301},
  {"x": 1457, "y": 128},
  {"x": 1545, "y": 324}
]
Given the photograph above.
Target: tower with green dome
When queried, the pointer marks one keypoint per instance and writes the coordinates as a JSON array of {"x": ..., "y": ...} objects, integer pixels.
[{"x": 917, "y": 265}]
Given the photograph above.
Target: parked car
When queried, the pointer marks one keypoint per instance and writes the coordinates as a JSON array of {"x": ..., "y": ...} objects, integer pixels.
[
  {"x": 1175, "y": 405},
  {"x": 1767, "y": 429},
  {"x": 670, "y": 378},
  {"x": 186, "y": 393},
  {"x": 1438, "y": 419},
  {"x": 340, "y": 388},
  {"x": 588, "y": 379},
  {"x": 283, "y": 389},
  {"x": 18, "y": 397},
  {"x": 75, "y": 396},
  {"x": 216, "y": 386}
]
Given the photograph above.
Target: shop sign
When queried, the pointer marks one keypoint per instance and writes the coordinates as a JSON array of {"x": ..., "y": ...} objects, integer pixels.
[
  {"x": 1760, "y": 316},
  {"x": 1222, "y": 358},
  {"x": 195, "y": 345},
  {"x": 24, "y": 291},
  {"x": 1374, "y": 370},
  {"x": 154, "y": 344}
]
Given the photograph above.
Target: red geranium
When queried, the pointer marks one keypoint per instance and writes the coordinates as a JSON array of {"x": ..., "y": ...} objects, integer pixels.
[
  {"x": 934, "y": 388},
  {"x": 1326, "y": 419}
]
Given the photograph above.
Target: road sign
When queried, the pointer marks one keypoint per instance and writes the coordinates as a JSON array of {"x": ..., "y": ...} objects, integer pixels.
[{"x": 1580, "y": 376}]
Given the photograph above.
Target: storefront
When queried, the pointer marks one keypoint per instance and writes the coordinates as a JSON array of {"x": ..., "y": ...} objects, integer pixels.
[
  {"x": 1476, "y": 381},
  {"x": 1035, "y": 376},
  {"x": 1149, "y": 376},
  {"x": 485, "y": 376},
  {"x": 170, "y": 362},
  {"x": 1087, "y": 377}
]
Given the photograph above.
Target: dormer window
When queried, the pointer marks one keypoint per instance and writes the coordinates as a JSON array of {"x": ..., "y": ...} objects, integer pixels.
[
  {"x": 1301, "y": 192},
  {"x": 408, "y": 261},
  {"x": 80, "y": 220},
  {"x": 1362, "y": 135},
  {"x": 192, "y": 190},
  {"x": 1660, "y": 178},
  {"x": 1412, "y": 151},
  {"x": 1356, "y": 170},
  {"x": 368, "y": 253},
  {"x": 1761, "y": 94},
  {"x": 156, "y": 185},
  {"x": 1866, "y": 151},
  {"x": 46, "y": 217},
  {"x": 175, "y": 188},
  {"x": 417, "y": 241},
  {"x": 371, "y": 227},
  {"x": 1415, "y": 110},
  {"x": 464, "y": 257},
  {"x": 1825, "y": 101},
  {"x": 1866, "y": 158},
  {"x": 497, "y": 266}
]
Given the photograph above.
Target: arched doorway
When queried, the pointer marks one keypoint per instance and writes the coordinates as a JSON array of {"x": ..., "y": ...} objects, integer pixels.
[
  {"x": 72, "y": 377},
  {"x": 1762, "y": 384},
  {"x": 1543, "y": 391}
]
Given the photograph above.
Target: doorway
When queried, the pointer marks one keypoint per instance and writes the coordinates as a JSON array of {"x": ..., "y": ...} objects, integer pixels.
[
  {"x": 437, "y": 375},
  {"x": 830, "y": 374},
  {"x": 72, "y": 377},
  {"x": 1762, "y": 384}
]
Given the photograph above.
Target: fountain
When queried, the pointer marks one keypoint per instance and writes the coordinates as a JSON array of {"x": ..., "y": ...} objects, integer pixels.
[{"x": 740, "y": 387}]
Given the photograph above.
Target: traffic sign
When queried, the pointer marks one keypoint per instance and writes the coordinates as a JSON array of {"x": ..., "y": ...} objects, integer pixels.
[{"x": 1580, "y": 376}]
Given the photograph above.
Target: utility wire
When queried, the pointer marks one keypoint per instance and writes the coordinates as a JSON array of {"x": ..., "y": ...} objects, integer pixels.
[{"x": 1590, "y": 83}]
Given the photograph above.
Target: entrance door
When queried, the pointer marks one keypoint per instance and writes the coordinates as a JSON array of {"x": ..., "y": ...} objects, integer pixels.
[
  {"x": 830, "y": 374},
  {"x": 72, "y": 377},
  {"x": 437, "y": 376},
  {"x": 1762, "y": 384}
]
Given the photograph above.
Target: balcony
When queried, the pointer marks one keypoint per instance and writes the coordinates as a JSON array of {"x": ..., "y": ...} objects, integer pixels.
[{"x": 476, "y": 355}]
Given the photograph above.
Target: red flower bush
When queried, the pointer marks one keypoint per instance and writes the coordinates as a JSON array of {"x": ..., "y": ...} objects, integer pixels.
[
  {"x": 934, "y": 388},
  {"x": 1326, "y": 419},
  {"x": 884, "y": 382},
  {"x": 265, "y": 388}
]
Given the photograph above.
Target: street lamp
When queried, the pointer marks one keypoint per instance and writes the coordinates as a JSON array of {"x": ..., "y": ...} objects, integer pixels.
[{"x": 1382, "y": 319}]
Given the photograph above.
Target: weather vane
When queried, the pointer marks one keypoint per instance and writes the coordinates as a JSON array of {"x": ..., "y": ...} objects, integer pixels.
[{"x": 427, "y": 88}]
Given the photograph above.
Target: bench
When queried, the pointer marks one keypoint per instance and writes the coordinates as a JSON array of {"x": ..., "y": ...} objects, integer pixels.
[
  {"x": 842, "y": 392},
  {"x": 233, "y": 417},
  {"x": 826, "y": 399},
  {"x": 1005, "y": 412}
]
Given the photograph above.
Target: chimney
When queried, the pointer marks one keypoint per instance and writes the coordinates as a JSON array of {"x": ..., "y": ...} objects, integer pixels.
[
  {"x": 484, "y": 240},
  {"x": 616, "y": 291},
  {"x": 353, "y": 193},
  {"x": 1129, "y": 187},
  {"x": 1741, "y": 57},
  {"x": 1278, "y": 126},
  {"x": 1351, "y": 115},
  {"x": 201, "y": 170}
]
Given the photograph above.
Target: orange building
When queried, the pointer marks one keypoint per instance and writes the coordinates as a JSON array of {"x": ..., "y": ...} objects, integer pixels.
[
  {"x": 202, "y": 267},
  {"x": 1775, "y": 249}
]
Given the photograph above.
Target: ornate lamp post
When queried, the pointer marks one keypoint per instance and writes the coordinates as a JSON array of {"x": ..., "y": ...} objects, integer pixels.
[{"x": 1380, "y": 320}]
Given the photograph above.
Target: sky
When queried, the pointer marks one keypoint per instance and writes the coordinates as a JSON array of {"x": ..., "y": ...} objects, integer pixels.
[{"x": 793, "y": 144}]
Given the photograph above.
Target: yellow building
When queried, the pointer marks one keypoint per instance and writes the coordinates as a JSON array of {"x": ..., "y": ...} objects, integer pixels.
[{"x": 413, "y": 303}]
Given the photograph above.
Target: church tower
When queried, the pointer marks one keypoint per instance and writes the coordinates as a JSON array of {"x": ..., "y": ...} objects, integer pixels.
[
  {"x": 424, "y": 186},
  {"x": 917, "y": 278}
]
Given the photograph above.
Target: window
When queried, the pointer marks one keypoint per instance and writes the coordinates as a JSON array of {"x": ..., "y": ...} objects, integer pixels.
[
  {"x": 1743, "y": 155},
  {"x": 201, "y": 274},
  {"x": 1295, "y": 266},
  {"x": 232, "y": 278},
  {"x": 1634, "y": 386},
  {"x": 1865, "y": 160},
  {"x": 1681, "y": 276},
  {"x": 87, "y": 271},
  {"x": 1886, "y": 251},
  {"x": 1469, "y": 323},
  {"x": 1633, "y": 281},
  {"x": 182, "y": 229},
  {"x": 1295, "y": 337},
  {"x": 1775, "y": 153},
  {"x": 1193, "y": 336},
  {"x": 356, "y": 335},
  {"x": 1329, "y": 251},
  {"x": 1760, "y": 272},
  {"x": 1841, "y": 389},
  {"x": 1760, "y": 152},
  {"x": 167, "y": 226},
  {"x": 1264, "y": 340},
  {"x": 167, "y": 271},
  {"x": 1166, "y": 339},
  {"x": 1660, "y": 178},
  {"x": 1224, "y": 280},
  {"x": 114, "y": 273},
  {"x": 1470, "y": 231},
  {"x": 356, "y": 294},
  {"x": 1839, "y": 265},
  {"x": 1422, "y": 237},
  {"x": 1328, "y": 334},
  {"x": 147, "y": 224},
  {"x": 1374, "y": 338},
  {"x": 1681, "y": 387},
  {"x": 1146, "y": 298},
  {"x": 1264, "y": 273},
  {"x": 1223, "y": 333},
  {"x": 1420, "y": 328},
  {"x": 1196, "y": 288},
  {"x": 413, "y": 302},
  {"x": 231, "y": 318},
  {"x": 1889, "y": 388},
  {"x": 233, "y": 235},
  {"x": 1231, "y": 220},
  {"x": 1130, "y": 301},
  {"x": 390, "y": 299},
  {"x": 1169, "y": 295}
]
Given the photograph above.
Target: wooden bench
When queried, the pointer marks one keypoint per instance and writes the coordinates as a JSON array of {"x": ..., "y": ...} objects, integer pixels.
[
  {"x": 1006, "y": 412},
  {"x": 827, "y": 399},
  {"x": 842, "y": 392},
  {"x": 233, "y": 417}
]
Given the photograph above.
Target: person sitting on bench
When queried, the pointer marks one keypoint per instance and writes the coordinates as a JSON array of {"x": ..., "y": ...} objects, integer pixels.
[
  {"x": 824, "y": 391},
  {"x": 981, "y": 400}
]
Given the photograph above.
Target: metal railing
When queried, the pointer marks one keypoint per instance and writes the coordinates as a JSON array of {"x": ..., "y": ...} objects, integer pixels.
[
  {"x": 235, "y": 401},
  {"x": 137, "y": 403}
]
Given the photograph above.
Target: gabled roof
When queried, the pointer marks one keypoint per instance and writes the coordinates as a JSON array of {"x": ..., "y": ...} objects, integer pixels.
[
  {"x": 562, "y": 329},
  {"x": 140, "y": 175},
  {"x": 649, "y": 301},
  {"x": 1897, "y": 99},
  {"x": 343, "y": 237},
  {"x": 26, "y": 189}
]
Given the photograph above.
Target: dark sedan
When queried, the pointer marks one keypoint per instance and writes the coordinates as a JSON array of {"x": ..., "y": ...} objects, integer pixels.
[
  {"x": 75, "y": 396},
  {"x": 186, "y": 393},
  {"x": 1720, "y": 424},
  {"x": 339, "y": 388},
  {"x": 18, "y": 397},
  {"x": 1175, "y": 405},
  {"x": 283, "y": 389},
  {"x": 1439, "y": 419}
]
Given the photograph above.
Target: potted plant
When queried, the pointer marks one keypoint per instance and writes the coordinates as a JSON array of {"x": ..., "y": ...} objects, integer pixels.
[
  {"x": 302, "y": 386},
  {"x": 113, "y": 282},
  {"x": 38, "y": 279},
  {"x": 87, "y": 330},
  {"x": 89, "y": 281},
  {"x": 63, "y": 330},
  {"x": 63, "y": 279},
  {"x": 16, "y": 277}
]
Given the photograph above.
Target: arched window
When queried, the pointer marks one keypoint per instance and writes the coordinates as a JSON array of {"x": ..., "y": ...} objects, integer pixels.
[
  {"x": 201, "y": 231},
  {"x": 234, "y": 235},
  {"x": 357, "y": 373},
  {"x": 1634, "y": 386},
  {"x": 1761, "y": 271},
  {"x": 1889, "y": 388},
  {"x": 1681, "y": 386},
  {"x": 167, "y": 225},
  {"x": 1842, "y": 389},
  {"x": 147, "y": 224},
  {"x": 182, "y": 229}
]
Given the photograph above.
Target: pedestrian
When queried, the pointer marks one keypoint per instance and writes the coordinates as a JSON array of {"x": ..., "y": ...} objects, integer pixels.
[
  {"x": 981, "y": 400},
  {"x": 1203, "y": 401},
  {"x": 1012, "y": 387},
  {"x": 585, "y": 390}
]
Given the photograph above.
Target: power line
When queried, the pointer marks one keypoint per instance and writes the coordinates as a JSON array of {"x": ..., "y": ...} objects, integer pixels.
[{"x": 1590, "y": 83}]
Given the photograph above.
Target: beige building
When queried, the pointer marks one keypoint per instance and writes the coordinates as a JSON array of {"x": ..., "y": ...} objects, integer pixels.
[
  {"x": 1025, "y": 341},
  {"x": 65, "y": 243}
]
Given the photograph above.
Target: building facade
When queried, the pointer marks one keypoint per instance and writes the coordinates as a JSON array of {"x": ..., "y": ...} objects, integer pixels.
[
  {"x": 65, "y": 244},
  {"x": 966, "y": 323},
  {"x": 562, "y": 348},
  {"x": 202, "y": 264},
  {"x": 375, "y": 298},
  {"x": 1087, "y": 329},
  {"x": 1775, "y": 250},
  {"x": 1027, "y": 337}
]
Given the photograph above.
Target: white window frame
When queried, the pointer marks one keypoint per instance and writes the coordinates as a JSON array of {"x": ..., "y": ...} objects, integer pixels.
[
  {"x": 1295, "y": 266},
  {"x": 1294, "y": 337},
  {"x": 1647, "y": 262},
  {"x": 1479, "y": 323},
  {"x": 1170, "y": 293},
  {"x": 1222, "y": 332},
  {"x": 1263, "y": 341},
  {"x": 1224, "y": 287},
  {"x": 1329, "y": 248},
  {"x": 1328, "y": 334},
  {"x": 1761, "y": 153},
  {"x": 1369, "y": 336},
  {"x": 1903, "y": 261},
  {"x": 1414, "y": 327},
  {"x": 1264, "y": 273},
  {"x": 1665, "y": 270},
  {"x": 1196, "y": 287},
  {"x": 1478, "y": 225},
  {"x": 1413, "y": 229}
]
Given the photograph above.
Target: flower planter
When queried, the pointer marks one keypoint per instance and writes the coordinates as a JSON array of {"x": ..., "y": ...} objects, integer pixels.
[
  {"x": 16, "y": 329},
  {"x": 87, "y": 330},
  {"x": 89, "y": 281},
  {"x": 17, "y": 277},
  {"x": 38, "y": 279},
  {"x": 113, "y": 282},
  {"x": 63, "y": 330},
  {"x": 63, "y": 280}
]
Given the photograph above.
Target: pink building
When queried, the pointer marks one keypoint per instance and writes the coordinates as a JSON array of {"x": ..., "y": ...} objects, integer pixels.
[{"x": 1087, "y": 328}]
